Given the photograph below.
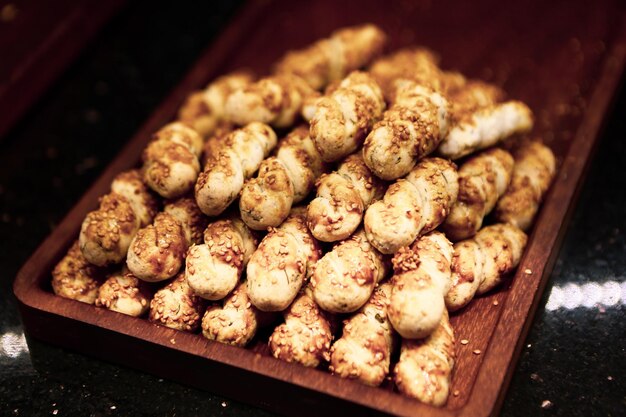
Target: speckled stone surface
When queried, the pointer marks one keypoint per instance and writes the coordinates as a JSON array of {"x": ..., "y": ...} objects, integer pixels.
[{"x": 574, "y": 360}]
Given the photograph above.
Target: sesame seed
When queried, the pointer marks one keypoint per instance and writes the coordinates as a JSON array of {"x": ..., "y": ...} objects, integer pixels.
[
  {"x": 476, "y": 352},
  {"x": 464, "y": 342}
]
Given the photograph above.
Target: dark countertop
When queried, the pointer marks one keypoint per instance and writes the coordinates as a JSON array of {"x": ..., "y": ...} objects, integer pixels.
[{"x": 574, "y": 360}]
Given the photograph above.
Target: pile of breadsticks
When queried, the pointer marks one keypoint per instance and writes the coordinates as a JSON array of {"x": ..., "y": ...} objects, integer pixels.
[{"x": 361, "y": 196}]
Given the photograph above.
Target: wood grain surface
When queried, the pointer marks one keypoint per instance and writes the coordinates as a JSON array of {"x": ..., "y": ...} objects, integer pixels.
[
  {"x": 562, "y": 58},
  {"x": 38, "y": 40}
]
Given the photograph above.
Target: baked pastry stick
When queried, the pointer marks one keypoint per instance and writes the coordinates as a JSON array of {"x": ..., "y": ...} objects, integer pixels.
[
  {"x": 170, "y": 161},
  {"x": 283, "y": 261},
  {"x": 345, "y": 277},
  {"x": 331, "y": 59},
  {"x": 236, "y": 160},
  {"x": 416, "y": 64},
  {"x": 275, "y": 100},
  {"x": 425, "y": 366},
  {"x": 236, "y": 321},
  {"x": 215, "y": 141},
  {"x": 282, "y": 181},
  {"x": 481, "y": 263},
  {"x": 533, "y": 172},
  {"x": 124, "y": 293},
  {"x": 193, "y": 222},
  {"x": 106, "y": 233},
  {"x": 75, "y": 278},
  {"x": 203, "y": 110},
  {"x": 482, "y": 180},
  {"x": 157, "y": 251},
  {"x": 342, "y": 119},
  {"x": 176, "y": 306},
  {"x": 214, "y": 267},
  {"x": 412, "y": 206},
  {"x": 306, "y": 334},
  {"x": 342, "y": 198},
  {"x": 363, "y": 352},
  {"x": 411, "y": 128},
  {"x": 485, "y": 127},
  {"x": 421, "y": 280}
]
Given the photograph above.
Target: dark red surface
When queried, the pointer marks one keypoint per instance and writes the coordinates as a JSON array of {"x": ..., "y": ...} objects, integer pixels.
[{"x": 38, "y": 43}]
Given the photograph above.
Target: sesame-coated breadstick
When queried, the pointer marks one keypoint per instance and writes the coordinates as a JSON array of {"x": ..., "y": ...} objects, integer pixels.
[
  {"x": 363, "y": 352},
  {"x": 124, "y": 293},
  {"x": 411, "y": 128},
  {"x": 482, "y": 180},
  {"x": 75, "y": 278},
  {"x": 176, "y": 306},
  {"x": 283, "y": 261},
  {"x": 345, "y": 277},
  {"x": 282, "y": 181},
  {"x": 214, "y": 267},
  {"x": 425, "y": 366},
  {"x": 106, "y": 233},
  {"x": 343, "y": 118},
  {"x": 421, "y": 280},
  {"x": 412, "y": 206},
  {"x": 275, "y": 100},
  {"x": 481, "y": 263},
  {"x": 342, "y": 198},
  {"x": 533, "y": 172},
  {"x": 170, "y": 161},
  {"x": 203, "y": 110},
  {"x": 306, "y": 334},
  {"x": 331, "y": 59},
  {"x": 236, "y": 160}
]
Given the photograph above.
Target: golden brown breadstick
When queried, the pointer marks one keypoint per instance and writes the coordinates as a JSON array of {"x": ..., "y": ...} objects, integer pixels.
[
  {"x": 363, "y": 352},
  {"x": 481, "y": 263},
  {"x": 203, "y": 110},
  {"x": 124, "y": 293},
  {"x": 176, "y": 306},
  {"x": 305, "y": 335},
  {"x": 223, "y": 177},
  {"x": 421, "y": 280},
  {"x": 158, "y": 250},
  {"x": 486, "y": 127},
  {"x": 215, "y": 141},
  {"x": 534, "y": 169},
  {"x": 191, "y": 219},
  {"x": 170, "y": 161},
  {"x": 275, "y": 100},
  {"x": 345, "y": 277},
  {"x": 282, "y": 181},
  {"x": 415, "y": 64},
  {"x": 411, "y": 128},
  {"x": 425, "y": 366},
  {"x": 214, "y": 268},
  {"x": 343, "y": 118},
  {"x": 342, "y": 198},
  {"x": 75, "y": 278},
  {"x": 412, "y": 206},
  {"x": 107, "y": 232},
  {"x": 482, "y": 180},
  {"x": 130, "y": 185},
  {"x": 283, "y": 261},
  {"x": 330, "y": 59},
  {"x": 235, "y": 322}
]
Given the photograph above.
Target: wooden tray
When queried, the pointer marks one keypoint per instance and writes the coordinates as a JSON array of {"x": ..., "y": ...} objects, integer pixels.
[{"x": 563, "y": 59}]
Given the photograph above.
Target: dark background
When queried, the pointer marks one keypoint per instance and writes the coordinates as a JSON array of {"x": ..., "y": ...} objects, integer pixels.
[{"x": 574, "y": 359}]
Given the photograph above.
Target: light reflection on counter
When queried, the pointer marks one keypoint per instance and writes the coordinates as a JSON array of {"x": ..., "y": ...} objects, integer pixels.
[
  {"x": 13, "y": 344},
  {"x": 589, "y": 295}
]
